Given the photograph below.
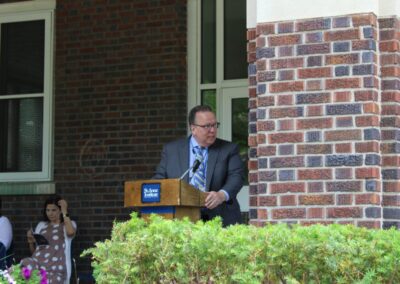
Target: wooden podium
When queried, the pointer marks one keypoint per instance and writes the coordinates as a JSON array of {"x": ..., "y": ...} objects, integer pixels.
[{"x": 171, "y": 198}]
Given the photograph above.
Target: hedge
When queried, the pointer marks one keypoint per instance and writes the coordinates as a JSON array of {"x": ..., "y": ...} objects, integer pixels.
[{"x": 179, "y": 251}]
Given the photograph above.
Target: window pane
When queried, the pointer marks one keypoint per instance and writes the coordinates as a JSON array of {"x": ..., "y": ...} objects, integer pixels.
[
  {"x": 239, "y": 130},
  {"x": 22, "y": 57},
  {"x": 208, "y": 45},
  {"x": 209, "y": 97},
  {"x": 21, "y": 135},
  {"x": 235, "y": 54}
]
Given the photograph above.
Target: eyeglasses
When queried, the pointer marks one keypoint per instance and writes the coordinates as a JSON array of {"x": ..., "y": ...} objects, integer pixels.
[{"x": 208, "y": 126}]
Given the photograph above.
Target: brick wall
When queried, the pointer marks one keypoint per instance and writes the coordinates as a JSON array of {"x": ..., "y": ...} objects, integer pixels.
[
  {"x": 322, "y": 139},
  {"x": 390, "y": 97},
  {"x": 120, "y": 94}
]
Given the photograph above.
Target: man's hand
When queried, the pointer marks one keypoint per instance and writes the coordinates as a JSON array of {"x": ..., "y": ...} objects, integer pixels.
[{"x": 214, "y": 199}]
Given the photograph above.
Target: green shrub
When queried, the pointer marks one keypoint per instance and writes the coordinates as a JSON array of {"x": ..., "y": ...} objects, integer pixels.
[{"x": 178, "y": 251}]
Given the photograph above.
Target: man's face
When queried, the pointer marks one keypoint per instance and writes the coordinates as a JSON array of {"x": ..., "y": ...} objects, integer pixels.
[{"x": 205, "y": 137}]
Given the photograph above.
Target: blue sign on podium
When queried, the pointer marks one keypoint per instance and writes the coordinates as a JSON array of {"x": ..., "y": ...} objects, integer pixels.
[{"x": 151, "y": 192}]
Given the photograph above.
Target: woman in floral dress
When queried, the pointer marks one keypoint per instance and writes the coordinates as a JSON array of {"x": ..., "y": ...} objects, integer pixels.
[{"x": 59, "y": 230}]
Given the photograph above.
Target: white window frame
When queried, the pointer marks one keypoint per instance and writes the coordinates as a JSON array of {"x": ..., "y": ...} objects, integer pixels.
[
  {"x": 226, "y": 90},
  {"x": 194, "y": 55},
  {"x": 28, "y": 11}
]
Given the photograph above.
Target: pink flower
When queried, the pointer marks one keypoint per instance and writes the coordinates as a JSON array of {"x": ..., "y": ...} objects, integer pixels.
[
  {"x": 26, "y": 273},
  {"x": 43, "y": 275}
]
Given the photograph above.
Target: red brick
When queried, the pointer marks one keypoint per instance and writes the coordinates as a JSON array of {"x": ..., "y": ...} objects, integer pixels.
[
  {"x": 390, "y": 96},
  {"x": 266, "y": 150},
  {"x": 364, "y": 44},
  {"x": 251, "y": 57},
  {"x": 262, "y": 214},
  {"x": 284, "y": 40},
  {"x": 252, "y": 141},
  {"x": 344, "y": 199},
  {"x": 261, "y": 139},
  {"x": 251, "y": 34},
  {"x": 391, "y": 186},
  {"x": 371, "y": 108},
  {"x": 314, "y": 187},
  {"x": 315, "y": 213},
  {"x": 366, "y": 147},
  {"x": 295, "y": 86},
  {"x": 343, "y": 148},
  {"x": 285, "y": 112},
  {"x": 390, "y": 59},
  {"x": 265, "y": 125},
  {"x": 389, "y": 46},
  {"x": 265, "y": 101},
  {"x": 285, "y": 125},
  {"x": 260, "y": 42},
  {"x": 277, "y": 188},
  {"x": 314, "y": 110},
  {"x": 294, "y": 137},
  {"x": 391, "y": 161},
  {"x": 287, "y": 200},
  {"x": 313, "y": 85},
  {"x": 252, "y": 165},
  {"x": 348, "y": 34},
  {"x": 314, "y": 149},
  {"x": 391, "y": 200},
  {"x": 317, "y": 123},
  {"x": 251, "y": 47},
  {"x": 288, "y": 213},
  {"x": 368, "y": 198},
  {"x": 261, "y": 64},
  {"x": 314, "y": 72},
  {"x": 252, "y": 92},
  {"x": 285, "y": 100},
  {"x": 364, "y": 121},
  {"x": 390, "y": 110},
  {"x": 364, "y": 20},
  {"x": 267, "y": 201},
  {"x": 316, "y": 174},
  {"x": 253, "y": 201},
  {"x": 342, "y": 96},
  {"x": 322, "y": 199},
  {"x": 368, "y": 173},
  {"x": 344, "y": 212},
  {"x": 265, "y": 29},
  {"x": 366, "y": 95},
  {"x": 345, "y": 83},
  {"x": 343, "y": 135},
  {"x": 370, "y": 224},
  {"x": 390, "y": 71},
  {"x": 286, "y": 63},
  {"x": 351, "y": 58}
]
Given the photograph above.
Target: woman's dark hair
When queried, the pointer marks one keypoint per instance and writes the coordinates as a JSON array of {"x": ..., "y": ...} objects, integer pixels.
[
  {"x": 53, "y": 199},
  {"x": 196, "y": 109}
]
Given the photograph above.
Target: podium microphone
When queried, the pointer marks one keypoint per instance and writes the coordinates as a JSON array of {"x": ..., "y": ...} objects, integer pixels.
[{"x": 194, "y": 167}]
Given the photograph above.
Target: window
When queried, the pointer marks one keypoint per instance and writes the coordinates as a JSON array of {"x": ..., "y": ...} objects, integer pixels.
[
  {"x": 217, "y": 68},
  {"x": 26, "y": 91}
]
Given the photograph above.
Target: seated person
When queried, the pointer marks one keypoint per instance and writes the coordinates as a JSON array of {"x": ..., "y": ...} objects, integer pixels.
[
  {"x": 6, "y": 236},
  {"x": 59, "y": 230}
]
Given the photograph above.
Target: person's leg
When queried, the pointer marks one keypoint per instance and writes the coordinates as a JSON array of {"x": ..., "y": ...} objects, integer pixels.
[{"x": 3, "y": 255}]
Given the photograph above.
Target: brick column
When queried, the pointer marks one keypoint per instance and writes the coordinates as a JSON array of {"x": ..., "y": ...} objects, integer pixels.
[
  {"x": 315, "y": 122},
  {"x": 389, "y": 30}
]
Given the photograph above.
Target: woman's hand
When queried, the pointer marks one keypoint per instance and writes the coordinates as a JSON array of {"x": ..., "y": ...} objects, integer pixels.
[
  {"x": 30, "y": 237},
  {"x": 64, "y": 206}
]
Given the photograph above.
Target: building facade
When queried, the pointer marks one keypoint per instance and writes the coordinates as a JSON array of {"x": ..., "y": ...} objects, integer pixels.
[
  {"x": 324, "y": 112},
  {"x": 91, "y": 90}
]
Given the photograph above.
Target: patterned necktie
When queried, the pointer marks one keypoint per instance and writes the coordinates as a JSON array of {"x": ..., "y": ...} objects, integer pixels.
[{"x": 199, "y": 177}]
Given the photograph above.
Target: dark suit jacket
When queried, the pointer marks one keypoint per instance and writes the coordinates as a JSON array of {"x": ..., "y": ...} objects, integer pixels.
[{"x": 224, "y": 171}]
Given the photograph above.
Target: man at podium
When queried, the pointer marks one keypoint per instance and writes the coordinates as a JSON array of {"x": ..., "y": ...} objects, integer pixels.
[{"x": 214, "y": 166}]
